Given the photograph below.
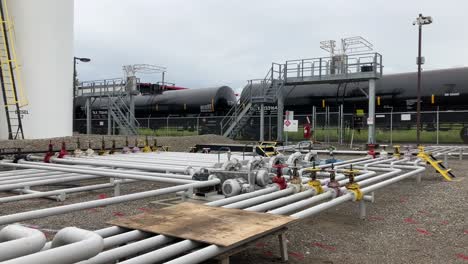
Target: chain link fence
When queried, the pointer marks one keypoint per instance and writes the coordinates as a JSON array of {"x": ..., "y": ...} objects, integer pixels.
[{"x": 438, "y": 127}]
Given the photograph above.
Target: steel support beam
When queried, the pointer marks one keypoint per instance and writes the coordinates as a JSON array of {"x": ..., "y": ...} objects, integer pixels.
[{"x": 371, "y": 116}]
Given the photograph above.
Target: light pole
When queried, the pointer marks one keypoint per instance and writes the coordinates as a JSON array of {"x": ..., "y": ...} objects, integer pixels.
[
  {"x": 75, "y": 59},
  {"x": 420, "y": 21}
]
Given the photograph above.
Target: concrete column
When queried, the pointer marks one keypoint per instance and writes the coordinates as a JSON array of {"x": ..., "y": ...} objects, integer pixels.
[
  {"x": 371, "y": 116},
  {"x": 262, "y": 122}
]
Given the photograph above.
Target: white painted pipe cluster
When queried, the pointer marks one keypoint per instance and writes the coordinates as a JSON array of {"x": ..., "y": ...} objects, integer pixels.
[
  {"x": 173, "y": 250},
  {"x": 378, "y": 173}
]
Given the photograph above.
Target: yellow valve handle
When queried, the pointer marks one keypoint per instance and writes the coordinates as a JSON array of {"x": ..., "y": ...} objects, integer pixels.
[
  {"x": 354, "y": 187},
  {"x": 312, "y": 169},
  {"x": 317, "y": 185},
  {"x": 351, "y": 171},
  {"x": 102, "y": 152},
  {"x": 421, "y": 149},
  {"x": 146, "y": 149}
]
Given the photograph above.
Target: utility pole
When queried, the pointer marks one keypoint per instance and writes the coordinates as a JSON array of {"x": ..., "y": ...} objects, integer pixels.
[
  {"x": 75, "y": 59},
  {"x": 420, "y": 21}
]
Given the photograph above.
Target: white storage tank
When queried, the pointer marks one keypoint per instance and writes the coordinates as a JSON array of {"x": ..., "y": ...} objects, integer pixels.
[{"x": 44, "y": 48}]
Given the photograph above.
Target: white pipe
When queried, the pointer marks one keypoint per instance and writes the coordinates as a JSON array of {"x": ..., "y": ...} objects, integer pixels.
[
  {"x": 70, "y": 245},
  {"x": 97, "y": 172},
  {"x": 61, "y": 191},
  {"x": 12, "y": 218},
  {"x": 17, "y": 241},
  {"x": 260, "y": 199}
]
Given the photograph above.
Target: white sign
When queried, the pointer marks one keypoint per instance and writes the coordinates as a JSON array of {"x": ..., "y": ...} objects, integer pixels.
[
  {"x": 289, "y": 115},
  {"x": 291, "y": 125},
  {"x": 405, "y": 117},
  {"x": 380, "y": 116},
  {"x": 370, "y": 121}
]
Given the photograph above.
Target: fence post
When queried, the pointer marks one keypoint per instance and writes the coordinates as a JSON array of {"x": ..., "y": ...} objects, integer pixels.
[
  {"x": 167, "y": 126},
  {"x": 269, "y": 127},
  {"x": 341, "y": 124},
  {"x": 391, "y": 126},
  {"x": 437, "y": 126}
]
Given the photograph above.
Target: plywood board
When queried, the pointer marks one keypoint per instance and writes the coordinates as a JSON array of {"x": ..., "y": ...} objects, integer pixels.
[{"x": 212, "y": 225}]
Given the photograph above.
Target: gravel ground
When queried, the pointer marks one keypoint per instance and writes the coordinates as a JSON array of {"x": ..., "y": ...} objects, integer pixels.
[
  {"x": 408, "y": 223},
  {"x": 175, "y": 143}
]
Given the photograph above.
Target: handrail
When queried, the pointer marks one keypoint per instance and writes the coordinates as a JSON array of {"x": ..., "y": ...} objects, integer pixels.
[
  {"x": 126, "y": 109},
  {"x": 118, "y": 107},
  {"x": 267, "y": 84},
  {"x": 324, "y": 67}
]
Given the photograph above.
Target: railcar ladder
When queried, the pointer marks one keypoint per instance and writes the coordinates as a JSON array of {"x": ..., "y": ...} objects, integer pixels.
[
  {"x": 10, "y": 81},
  {"x": 436, "y": 164}
]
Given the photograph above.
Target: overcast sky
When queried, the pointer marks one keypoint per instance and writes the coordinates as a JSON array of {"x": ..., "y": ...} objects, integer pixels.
[{"x": 207, "y": 43}]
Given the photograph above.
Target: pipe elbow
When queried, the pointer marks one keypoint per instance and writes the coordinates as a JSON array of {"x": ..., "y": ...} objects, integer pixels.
[{"x": 17, "y": 241}]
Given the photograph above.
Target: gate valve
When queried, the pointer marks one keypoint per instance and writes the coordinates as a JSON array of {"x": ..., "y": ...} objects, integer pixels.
[
  {"x": 371, "y": 151},
  {"x": 77, "y": 152},
  {"x": 126, "y": 148},
  {"x": 155, "y": 145},
  {"x": 50, "y": 153},
  {"x": 89, "y": 151},
  {"x": 279, "y": 179},
  {"x": 383, "y": 152},
  {"x": 147, "y": 147},
  {"x": 350, "y": 173},
  {"x": 63, "y": 151},
  {"x": 295, "y": 179},
  {"x": 408, "y": 153},
  {"x": 314, "y": 183},
  {"x": 331, "y": 149},
  {"x": 396, "y": 151},
  {"x": 112, "y": 151},
  {"x": 353, "y": 186},
  {"x": 102, "y": 151},
  {"x": 333, "y": 183},
  {"x": 136, "y": 149}
]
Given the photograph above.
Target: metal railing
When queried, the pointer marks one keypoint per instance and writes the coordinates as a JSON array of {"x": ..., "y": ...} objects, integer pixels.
[
  {"x": 365, "y": 65},
  {"x": 270, "y": 85},
  {"x": 102, "y": 88}
]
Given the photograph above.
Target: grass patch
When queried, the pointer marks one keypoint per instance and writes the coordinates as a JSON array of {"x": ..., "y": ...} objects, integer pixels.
[
  {"x": 171, "y": 132},
  {"x": 383, "y": 136}
]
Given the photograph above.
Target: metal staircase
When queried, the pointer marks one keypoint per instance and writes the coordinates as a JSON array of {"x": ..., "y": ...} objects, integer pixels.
[
  {"x": 122, "y": 116},
  {"x": 436, "y": 164},
  {"x": 10, "y": 80},
  {"x": 239, "y": 115}
]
